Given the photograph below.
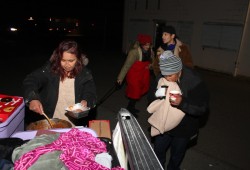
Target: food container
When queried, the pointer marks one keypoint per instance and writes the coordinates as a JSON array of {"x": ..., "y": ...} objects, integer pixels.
[
  {"x": 77, "y": 111},
  {"x": 44, "y": 124},
  {"x": 12, "y": 112}
]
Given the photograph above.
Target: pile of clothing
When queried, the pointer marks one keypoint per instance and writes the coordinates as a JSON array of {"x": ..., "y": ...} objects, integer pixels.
[{"x": 70, "y": 150}]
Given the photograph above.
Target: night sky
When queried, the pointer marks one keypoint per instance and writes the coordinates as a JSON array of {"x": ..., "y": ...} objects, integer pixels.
[
  {"x": 96, "y": 11},
  {"x": 105, "y": 15},
  {"x": 58, "y": 8}
]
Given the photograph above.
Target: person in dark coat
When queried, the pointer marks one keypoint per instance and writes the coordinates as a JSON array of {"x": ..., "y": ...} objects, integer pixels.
[
  {"x": 193, "y": 101},
  {"x": 63, "y": 81}
]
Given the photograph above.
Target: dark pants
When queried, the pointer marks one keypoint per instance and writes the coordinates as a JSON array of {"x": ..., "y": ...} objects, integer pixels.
[
  {"x": 177, "y": 147},
  {"x": 131, "y": 105}
]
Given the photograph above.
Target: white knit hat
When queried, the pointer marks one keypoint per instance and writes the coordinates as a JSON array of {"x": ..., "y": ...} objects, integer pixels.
[{"x": 169, "y": 63}]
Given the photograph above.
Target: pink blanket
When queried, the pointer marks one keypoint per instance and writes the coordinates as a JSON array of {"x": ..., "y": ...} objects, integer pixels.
[{"x": 78, "y": 151}]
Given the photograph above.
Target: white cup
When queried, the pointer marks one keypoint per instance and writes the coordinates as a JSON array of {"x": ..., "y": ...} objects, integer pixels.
[{"x": 173, "y": 94}]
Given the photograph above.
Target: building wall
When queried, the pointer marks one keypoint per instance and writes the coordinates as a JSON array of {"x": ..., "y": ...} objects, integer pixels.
[
  {"x": 243, "y": 60},
  {"x": 216, "y": 31}
]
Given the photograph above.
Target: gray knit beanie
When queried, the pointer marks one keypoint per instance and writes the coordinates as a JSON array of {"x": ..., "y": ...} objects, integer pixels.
[{"x": 169, "y": 63}]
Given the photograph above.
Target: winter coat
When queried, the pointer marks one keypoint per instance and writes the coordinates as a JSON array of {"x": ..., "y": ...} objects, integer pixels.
[
  {"x": 136, "y": 71},
  {"x": 43, "y": 85},
  {"x": 134, "y": 54},
  {"x": 195, "y": 100},
  {"x": 164, "y": 117}
]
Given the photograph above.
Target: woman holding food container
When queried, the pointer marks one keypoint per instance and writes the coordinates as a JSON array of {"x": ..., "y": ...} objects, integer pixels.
[
  {"x": 61, "y": 83},
  {"x": 177, "y": 99}
]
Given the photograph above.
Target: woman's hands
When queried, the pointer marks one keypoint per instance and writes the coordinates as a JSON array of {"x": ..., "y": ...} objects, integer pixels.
[
  {"x": 119, "y": 82},
  {"x": 36, "y": 106}
]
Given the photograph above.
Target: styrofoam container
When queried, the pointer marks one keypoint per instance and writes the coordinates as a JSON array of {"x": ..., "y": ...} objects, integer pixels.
[
  {"x": 14, "y": 123},
  {"x": 77, "y": 111}
]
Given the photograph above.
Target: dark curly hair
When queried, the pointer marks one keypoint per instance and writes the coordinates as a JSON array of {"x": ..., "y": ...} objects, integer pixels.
[{"x": 69, "y": 46}]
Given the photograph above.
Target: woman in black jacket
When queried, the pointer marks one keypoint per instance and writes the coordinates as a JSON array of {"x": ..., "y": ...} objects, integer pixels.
[
  {"x": 193, "y": 101},
  {"x": 61, "y": 82}
]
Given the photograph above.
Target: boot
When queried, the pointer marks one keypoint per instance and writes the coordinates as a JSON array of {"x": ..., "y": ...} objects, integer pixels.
[{"x": 131, "y": 107}]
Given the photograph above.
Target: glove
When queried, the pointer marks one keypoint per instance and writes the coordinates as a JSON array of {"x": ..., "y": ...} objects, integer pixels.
[{"x": 161, "y": 92}]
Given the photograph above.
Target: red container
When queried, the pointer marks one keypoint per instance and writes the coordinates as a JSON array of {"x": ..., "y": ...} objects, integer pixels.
[{"x": 11, "y": 115}]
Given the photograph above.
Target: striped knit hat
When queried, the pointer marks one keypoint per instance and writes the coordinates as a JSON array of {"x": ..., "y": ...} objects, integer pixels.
[{"x": 169, "y": 63}]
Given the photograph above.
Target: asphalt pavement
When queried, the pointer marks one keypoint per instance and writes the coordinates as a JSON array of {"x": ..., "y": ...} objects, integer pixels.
[{"x": 223, "y": 141}]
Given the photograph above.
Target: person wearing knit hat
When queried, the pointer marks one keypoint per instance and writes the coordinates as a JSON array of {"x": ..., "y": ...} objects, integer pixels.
[
  {"x": 169, "y": 63},
  {"x": 171, "y": 42},
  {"x": 192, "y": 100},
  {"x": 144, "y": 39},
  {"x": 136, "y": 71}
]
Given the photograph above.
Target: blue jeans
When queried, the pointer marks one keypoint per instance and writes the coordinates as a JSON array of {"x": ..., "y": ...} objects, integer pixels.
[{"x": 178, "y": 147}]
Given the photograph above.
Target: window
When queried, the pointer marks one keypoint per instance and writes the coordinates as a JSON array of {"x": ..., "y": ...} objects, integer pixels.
[{"x": 222, "y": 36}]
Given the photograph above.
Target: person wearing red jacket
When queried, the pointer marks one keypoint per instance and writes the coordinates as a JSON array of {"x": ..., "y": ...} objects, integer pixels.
[{"x": 136, "y": 71}]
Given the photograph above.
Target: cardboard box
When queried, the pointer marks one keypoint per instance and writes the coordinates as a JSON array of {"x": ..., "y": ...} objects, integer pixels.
[
  {"x": 101, "y": 127},
  {"x": 11, "y": 114}
]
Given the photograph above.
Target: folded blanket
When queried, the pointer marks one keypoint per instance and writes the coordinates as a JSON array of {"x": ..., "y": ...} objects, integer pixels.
[{"x": 164, "y": 117}]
